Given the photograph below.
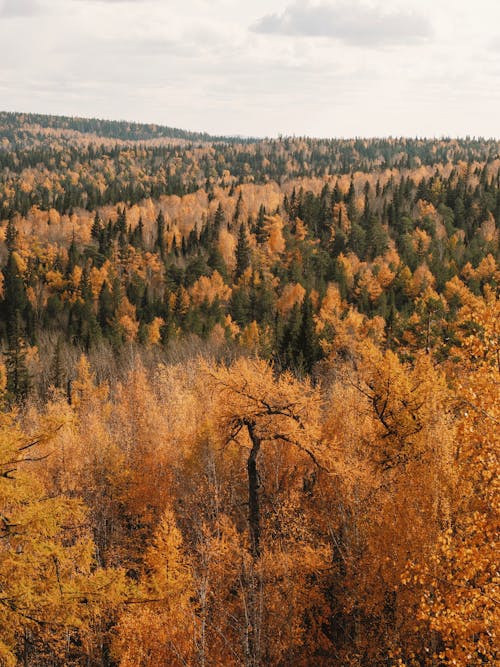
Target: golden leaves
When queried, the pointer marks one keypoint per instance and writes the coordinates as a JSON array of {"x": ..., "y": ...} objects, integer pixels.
[{"x": 209, "y": 289}]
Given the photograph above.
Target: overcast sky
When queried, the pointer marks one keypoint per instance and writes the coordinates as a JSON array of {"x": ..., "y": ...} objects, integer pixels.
[{"x": 259, "y": 67}]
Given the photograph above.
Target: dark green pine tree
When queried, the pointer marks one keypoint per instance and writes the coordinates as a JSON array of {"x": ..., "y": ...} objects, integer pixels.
[
  {"x": 336, "y": 195},
  {"x": 239, "y": 306},
  {"x": 237, "y": 210},
  {"x": 83, "y": 325},
  {"x": 262, "y": 300},
  {"x": 137, "y": 236},
  {"x": 497, "y": 208},
  {"x": 97, "y": 226},
  {"x": 105, "y": 238},
  {"x": 216, "y": 261},
  {"x": 106, "y": 308},
  {"x": 121, "y": 223},
  {"x": 193, "y": 240},
  {"x": 365, "y": 218},
  {"x": 352, "y": 211},
  {"x": 15, "y": 304},
  {"x": 160, "y": 235},
  {"x": 219, "y": 220},
  {"x": 288, "y": 342},
  {"x": 73, "y": 256},
  {"x": 261, "y": 233},
  {"x": 11, "y": 234},
  {"x": 307, "y": 350},
  {"x": 174, "y": 249},
  {"x": 243, "y": 252},
  {"x": 18, "y": 380}
]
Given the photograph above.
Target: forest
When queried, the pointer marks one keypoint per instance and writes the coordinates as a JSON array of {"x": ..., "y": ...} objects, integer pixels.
[{"x": 249, "y": 398}]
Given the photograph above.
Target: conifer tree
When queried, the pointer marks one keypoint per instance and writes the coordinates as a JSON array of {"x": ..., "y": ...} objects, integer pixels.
[
  {"x": 160, "y": 235},
  {"x": 261, "y": 232},
  {"x": 73, "y": 256},
  {"x": 307, "y": 343},
  {"x": 11, "y": 234},
  {"x": 237, "y": 210},
  {"x": 96, "y": 227},
  {"x": 15, "y": 362},
  {"x": 106, "y": 308},
  {"x": 219, "y": 219},
  {"x": 243, "y": 252}
]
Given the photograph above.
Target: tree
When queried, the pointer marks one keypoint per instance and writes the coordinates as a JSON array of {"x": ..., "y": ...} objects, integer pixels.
[
  {"x": 18, "y": 380},
  {"x": 73, "y": 256},
  {"x": 243, "y": 253},
  {"x": 137, "y": 236},
  {"x": 307, "y": 342},
  {"x": 266, "y": 416},
  {"x": 11, "y": 234},
  {"x": 160, "y": 242},
  {"x": 97, "y": 227},
  {"x": 392, "y": 443},
  {"x": 261, "y": 233},
  {"x": 267, "y": 409},
  {"x": 161, "y": 628},
  {"x": 16, "y": 304},
  {"x": 459, "y": 604},
  {"x": 51, "y": 590}
]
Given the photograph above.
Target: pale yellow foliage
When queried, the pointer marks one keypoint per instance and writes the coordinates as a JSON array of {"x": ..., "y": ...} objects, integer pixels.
[
  {"x": 227, "y": 247},
  {"x": 210, "y": 288},
  {"x": 422, "y": 279},
  {"x": 126, "y": 319}
]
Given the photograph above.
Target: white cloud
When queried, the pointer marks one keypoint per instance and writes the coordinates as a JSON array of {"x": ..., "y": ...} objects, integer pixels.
[
  {"x": 19, "y": 8},
  {"x": 352, "y": 23},
  {"x": 115, "y": 2}
]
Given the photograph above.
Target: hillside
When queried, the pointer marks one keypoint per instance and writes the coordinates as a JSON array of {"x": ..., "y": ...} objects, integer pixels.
[{"x": 257, "y": 382}]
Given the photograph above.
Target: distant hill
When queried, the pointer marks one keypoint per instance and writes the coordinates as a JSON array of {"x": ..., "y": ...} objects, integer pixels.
[{"x": 110, "y": 129}]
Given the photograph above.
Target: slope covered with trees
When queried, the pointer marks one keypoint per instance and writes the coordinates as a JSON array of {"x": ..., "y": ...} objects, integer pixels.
[{"x": 249, "y": 398}]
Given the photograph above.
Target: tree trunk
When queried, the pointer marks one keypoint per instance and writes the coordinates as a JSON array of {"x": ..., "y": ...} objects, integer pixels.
[{"x": 253, "y": 492}]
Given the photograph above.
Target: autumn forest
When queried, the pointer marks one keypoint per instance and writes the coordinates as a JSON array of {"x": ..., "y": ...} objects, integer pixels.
[{"x": 249, "y": 398}]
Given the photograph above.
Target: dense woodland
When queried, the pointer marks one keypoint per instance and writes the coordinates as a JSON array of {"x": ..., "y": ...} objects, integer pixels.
[{"x": 249, "y": 398}]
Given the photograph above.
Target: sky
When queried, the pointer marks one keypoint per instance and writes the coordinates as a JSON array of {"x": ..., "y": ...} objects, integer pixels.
[{"x": 323, "y": 68}]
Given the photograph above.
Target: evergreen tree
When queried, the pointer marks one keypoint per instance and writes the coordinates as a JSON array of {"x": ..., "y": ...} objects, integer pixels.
[
  {"x": 243, "y": 252},
  {"x": 289, "y": 339},
  {"x": 11, "y": 234},
  {"x": 121, "y": 223},
  {"x": 160, "y": 235},
  {"x": 73, "y": 256},
  {"x": 96, "y": 227},
  {"x": 352, "y": 211},
  {"x": 261, "y": 233},
  {"x": 16, "y": 304},
  {"x": 262, "y": 300},
  {"x": 193, "y": 241},
  {"x": 106, "y": 308},
  {"x": 219, "y": 219},
  {"x": 307, "y": 344},
  {"x": 216, "y": 261},
  {"x": 239, "y": 307},
  {"x": 237, "y": 210},
  {"x": 15, "y": 362}
]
